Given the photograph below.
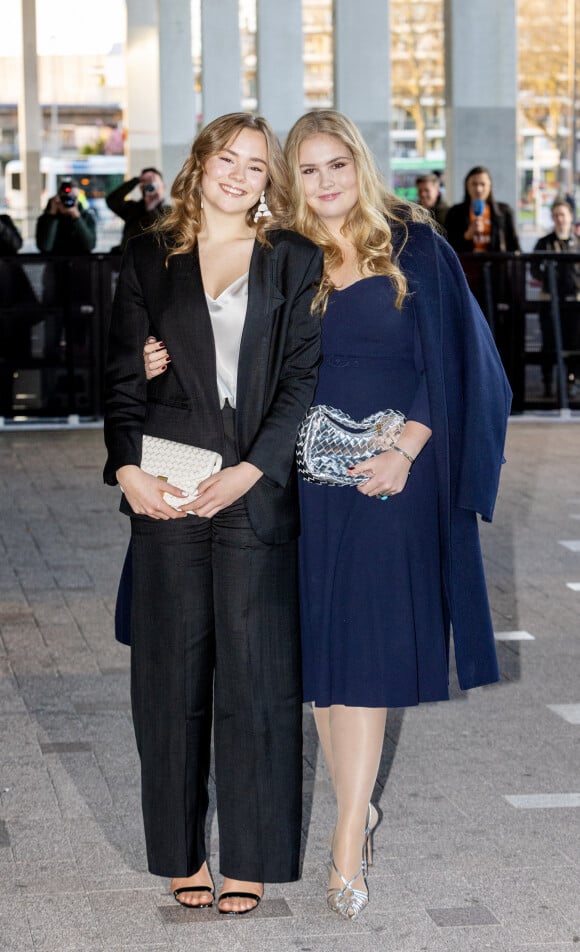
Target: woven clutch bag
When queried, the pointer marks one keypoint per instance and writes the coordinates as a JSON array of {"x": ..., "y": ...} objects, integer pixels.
[
  {"x": 179, "y": 464},
  {"x": 329, "y": 441}
]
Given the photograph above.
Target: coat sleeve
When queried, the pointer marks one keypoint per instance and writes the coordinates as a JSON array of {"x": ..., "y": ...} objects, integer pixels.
[
  {"x": 125, "y": 383},
  {"x": 419, "y": 410},
  {"x": 10, "y": 237},
  {"x": 272, "y": 450},
  {"x": 116, "y": 200},
  {"x": 485, "y": 398},
  {"x": 537, "y": 267},
  {"x": 455, "y": 226},
  {"x": 84, "y": 231},
  {"x": 512, "y": 242},
  {"x": 46, "y": 226}
]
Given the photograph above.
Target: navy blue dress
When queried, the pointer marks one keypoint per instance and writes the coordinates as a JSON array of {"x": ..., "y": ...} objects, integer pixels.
[{"x": 372, "y": 607}]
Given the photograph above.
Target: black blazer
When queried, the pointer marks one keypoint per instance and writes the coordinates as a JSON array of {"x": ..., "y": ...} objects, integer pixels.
[{"x": 277, "y": 369}]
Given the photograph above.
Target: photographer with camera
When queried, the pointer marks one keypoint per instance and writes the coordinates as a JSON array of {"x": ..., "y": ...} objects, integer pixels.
[
  {"x": 138, "y": 215},
  {"x": 65, "y": 228}
]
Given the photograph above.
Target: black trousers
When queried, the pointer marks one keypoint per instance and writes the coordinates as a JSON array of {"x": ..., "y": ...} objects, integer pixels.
[{"x": 214, "y": 624}]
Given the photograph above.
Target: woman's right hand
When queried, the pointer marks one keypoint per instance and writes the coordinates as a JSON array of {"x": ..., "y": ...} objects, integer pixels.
[
  {"x": 145, "y": 493},
  {"x": 155, "y": 357}
]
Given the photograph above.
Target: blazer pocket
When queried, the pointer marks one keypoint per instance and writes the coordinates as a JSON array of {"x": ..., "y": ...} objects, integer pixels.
[
  {"x": 176, "y": 404},
  {"x": 165, "y": 391}
]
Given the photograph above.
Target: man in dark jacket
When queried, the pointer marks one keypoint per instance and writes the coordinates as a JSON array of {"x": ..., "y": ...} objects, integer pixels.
[
  {"x": 138, "y": 215},
  {"x": 430, "y": 197},
  {"x": 563, "y": 240},
  {"x": 65, "y": 227}
]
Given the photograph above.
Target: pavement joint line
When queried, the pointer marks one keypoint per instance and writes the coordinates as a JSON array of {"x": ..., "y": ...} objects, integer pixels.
[
  {"x": 513, "y": 636},
  {"x": 569, "y": 712},
  {"x": 455, "y": 917},
  {"x": 543, "y": 801},
  {"x": 572, "y": 544}
]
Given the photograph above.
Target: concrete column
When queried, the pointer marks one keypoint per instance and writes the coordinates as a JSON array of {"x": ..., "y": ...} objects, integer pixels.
[
  {"x": 178, "y": 125},
  {"x": 221, "y": 58},
  {"x": 29, "y": 120},
  {"x": 361, "y": 71},
  {"x": 280, "y": 63},
  {"x": 143, "y": 111},
  {"x": 481, "y": 94}
]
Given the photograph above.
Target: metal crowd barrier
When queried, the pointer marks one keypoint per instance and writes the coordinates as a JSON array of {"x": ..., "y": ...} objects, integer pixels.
[
  {"x": 54, "y": 315},
  {"x": 533, "y": 309}
]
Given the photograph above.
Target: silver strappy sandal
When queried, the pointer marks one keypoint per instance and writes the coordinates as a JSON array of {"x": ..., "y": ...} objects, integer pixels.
[{"x": 347, "y": 901}]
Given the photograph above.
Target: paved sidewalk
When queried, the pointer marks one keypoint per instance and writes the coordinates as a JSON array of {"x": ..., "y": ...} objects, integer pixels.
[{"x": 479, "y": 848}]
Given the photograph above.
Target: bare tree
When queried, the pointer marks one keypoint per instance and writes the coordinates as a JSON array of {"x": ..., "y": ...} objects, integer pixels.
[
  {"x": 546, "y": 38},
  {"x": 417, "y": 64}
]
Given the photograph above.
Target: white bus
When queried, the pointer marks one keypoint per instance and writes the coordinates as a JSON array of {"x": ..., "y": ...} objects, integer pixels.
[{"x": 97, "y": 175}]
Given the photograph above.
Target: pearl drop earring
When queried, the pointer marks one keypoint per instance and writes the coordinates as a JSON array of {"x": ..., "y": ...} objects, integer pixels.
[{"x": 262, "y": 211}]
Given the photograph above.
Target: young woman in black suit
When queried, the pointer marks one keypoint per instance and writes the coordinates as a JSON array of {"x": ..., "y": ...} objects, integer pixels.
[{"x": 214, "y": 617}]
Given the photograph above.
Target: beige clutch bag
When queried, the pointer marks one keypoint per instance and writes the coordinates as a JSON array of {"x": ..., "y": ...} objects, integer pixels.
[{"x": 179, "y": 464}]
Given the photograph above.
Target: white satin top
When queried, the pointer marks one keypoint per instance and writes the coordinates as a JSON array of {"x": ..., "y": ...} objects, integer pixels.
[{"x": 228, "y": 314}]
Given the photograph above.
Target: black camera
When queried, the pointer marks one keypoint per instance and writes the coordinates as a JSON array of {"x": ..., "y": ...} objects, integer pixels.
[
  {"x": 65, "y": 193},
  {"x": 148, "y": 188}
]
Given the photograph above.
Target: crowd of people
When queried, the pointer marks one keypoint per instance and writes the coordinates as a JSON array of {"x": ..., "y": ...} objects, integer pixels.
[
  {"x": 479, "y": 223},
  {"x": 67, "y": 225}
]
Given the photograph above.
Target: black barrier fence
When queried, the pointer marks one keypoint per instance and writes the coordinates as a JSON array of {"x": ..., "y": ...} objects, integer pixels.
[
  {"x": 532, "y": 304},
  {"x": 54, "y": 315}
]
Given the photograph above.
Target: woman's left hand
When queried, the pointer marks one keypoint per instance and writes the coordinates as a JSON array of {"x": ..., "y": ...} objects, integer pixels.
[
  {"x": 388, "y": 473},
  {"x": 222, "y": 489}
]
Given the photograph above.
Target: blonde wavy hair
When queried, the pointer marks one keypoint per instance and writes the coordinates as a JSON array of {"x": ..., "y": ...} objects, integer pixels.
[
  {"x": 181, "y": 225},
  {"x": 370, "y": 222}
]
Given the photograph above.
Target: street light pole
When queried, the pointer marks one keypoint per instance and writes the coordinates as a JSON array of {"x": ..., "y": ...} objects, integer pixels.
[{"x": 573, "y": 156}]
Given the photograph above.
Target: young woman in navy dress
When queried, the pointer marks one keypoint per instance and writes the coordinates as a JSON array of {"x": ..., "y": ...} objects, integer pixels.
[{"x": 379, "y": 570}]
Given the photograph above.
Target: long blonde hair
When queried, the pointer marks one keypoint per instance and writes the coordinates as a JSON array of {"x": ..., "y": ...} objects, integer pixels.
[
  {"x": 369, "y": 223},
  {"x": 180, "y": 227}
]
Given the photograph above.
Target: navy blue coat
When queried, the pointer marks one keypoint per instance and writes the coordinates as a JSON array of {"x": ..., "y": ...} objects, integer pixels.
[{"x": 470, "y": 400}]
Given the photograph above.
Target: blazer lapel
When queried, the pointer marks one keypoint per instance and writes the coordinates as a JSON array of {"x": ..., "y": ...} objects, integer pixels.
[
  {"x": 185, "y": 327},
  {"x": 263, "y": 299}
]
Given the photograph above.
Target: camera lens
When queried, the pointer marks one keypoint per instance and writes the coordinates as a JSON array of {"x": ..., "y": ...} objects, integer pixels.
[{"x": 149, "y": 188}]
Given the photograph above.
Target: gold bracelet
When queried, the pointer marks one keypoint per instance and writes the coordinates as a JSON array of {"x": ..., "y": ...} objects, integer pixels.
[{"x": 404, "y": 453}]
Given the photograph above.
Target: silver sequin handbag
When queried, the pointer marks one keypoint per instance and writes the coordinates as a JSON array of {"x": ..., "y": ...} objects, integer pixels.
[
  {"x": 329, "y": 441},
  {"x": 179, "y": 464}
]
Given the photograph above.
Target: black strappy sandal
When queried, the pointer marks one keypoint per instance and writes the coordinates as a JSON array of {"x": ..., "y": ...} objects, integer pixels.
[{"x": 238, "y": 895}]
